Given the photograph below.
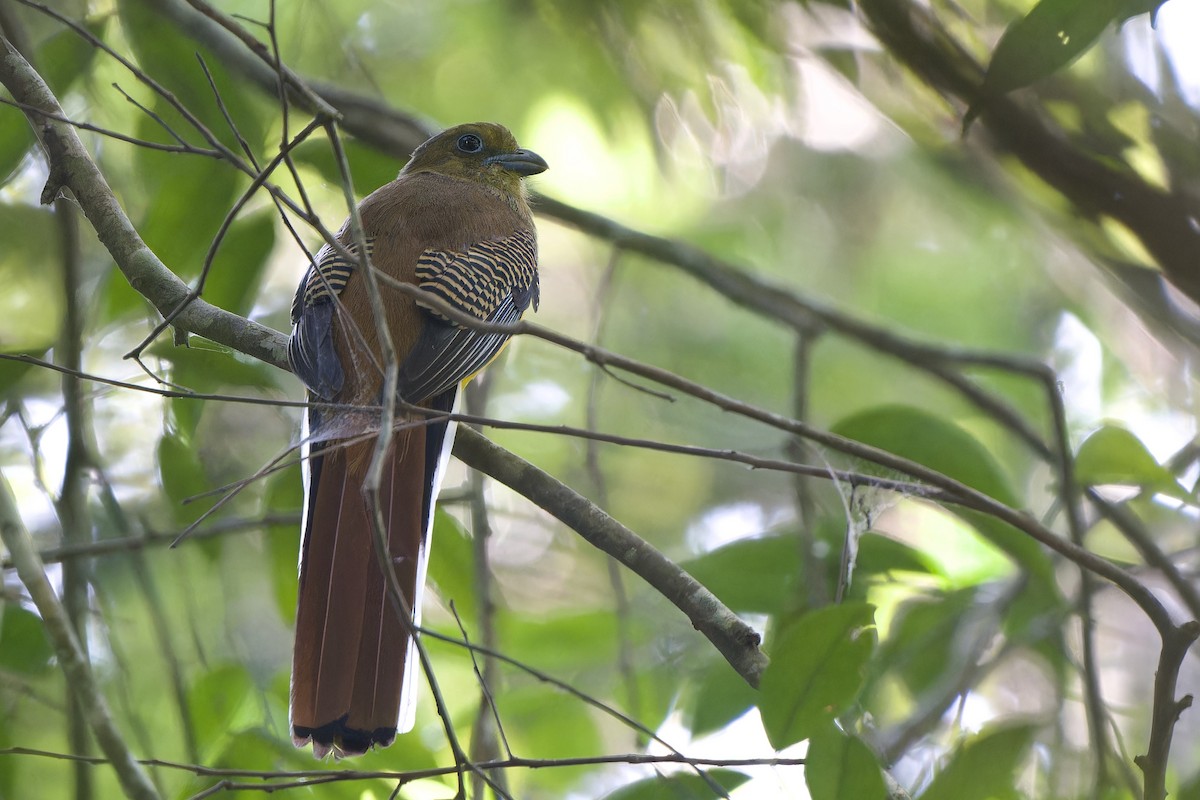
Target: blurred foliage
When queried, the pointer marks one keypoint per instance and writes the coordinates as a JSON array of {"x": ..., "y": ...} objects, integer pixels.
[{"x": 781, "y": 139}]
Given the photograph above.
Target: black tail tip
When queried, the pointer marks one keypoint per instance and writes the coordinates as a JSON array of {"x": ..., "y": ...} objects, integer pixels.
[{"x": 343, "y": 741}]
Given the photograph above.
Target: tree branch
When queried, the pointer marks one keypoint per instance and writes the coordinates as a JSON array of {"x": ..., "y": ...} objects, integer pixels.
[
  {"x": 70, "y": 655},
  {"x": 1164, "y": 222},
  {"x": 735, "y": 640},
  {"x": 72, "y": 167}
]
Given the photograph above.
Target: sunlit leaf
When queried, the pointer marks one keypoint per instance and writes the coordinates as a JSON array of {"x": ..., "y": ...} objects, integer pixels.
[
  {"x": 680, "y": 786},
  {"x": 1049, "y": 37},
  {"x": 817, "y": 669},
  {"x": 1114, "y": 455},
  {"x": 841, "y": 767},
  {"x": 924, "y": 639},
  {"x": 985, "y": 767},
  {"x": 940, "y": 444}
]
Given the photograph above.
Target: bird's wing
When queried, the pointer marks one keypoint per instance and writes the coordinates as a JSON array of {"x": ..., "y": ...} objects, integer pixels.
[
  {"x": 494, "y": 281},
  {"x": 310, "y": 350}
]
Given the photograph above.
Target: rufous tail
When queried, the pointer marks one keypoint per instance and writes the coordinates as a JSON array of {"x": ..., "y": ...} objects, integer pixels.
[{"x": 352, "y": 648}]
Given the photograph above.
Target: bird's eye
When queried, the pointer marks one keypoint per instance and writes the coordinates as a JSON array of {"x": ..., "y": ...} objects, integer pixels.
[{"x": 470, "y": 143}]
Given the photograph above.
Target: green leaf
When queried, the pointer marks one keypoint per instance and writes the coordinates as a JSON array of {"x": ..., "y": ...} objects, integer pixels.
[
  {"x": 565, "y": 642},
  {"x": 985, "y": 767},
  {"x": 24, "y": 647},
  {"x": 205, "y": 367},
  {"x": 31, "y": 305},
  {"x": 222, "y": 702},
  {"x": 65, "y": 56},
  {"x": 11, "y": 372},
  {"x": 1114, "y": 455},
  {"x": 452, "y": 565},
  {"x": 882, "y": 555},
  {"x": 775, "y": 563},
  {"x": 237, "y": 270},
  {"x": 173, "y": 59},
  {"x": 841, "y": 767},
  {"x": 183, "y": 476},
  {"x": 939, "y": 444},
  {"x": 923, "y": 639},
  {"x": 62, "y": 58},
  {"x": 177, "y": 224},
  {"x": 680, "y": 786},
  {"x": 932, "y": 441},
  {"x": 717, "y": 697},
  {"x": 1053, "y": 34},
  {"x": 180, "y": 225},
  {"x": 1189, "y": 790},
  {"x": 285, "y": 493},
  {"x": 369, "y": 168},
  {"x": 816, "y": 671},
  {"x": 16, "y": 140},
  {"x": 542, "y": 719}
]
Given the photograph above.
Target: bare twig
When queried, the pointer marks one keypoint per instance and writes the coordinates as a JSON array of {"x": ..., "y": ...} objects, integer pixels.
[
  {"x": 1166, "y": 708},
  {"x": 127, "y": 544}
]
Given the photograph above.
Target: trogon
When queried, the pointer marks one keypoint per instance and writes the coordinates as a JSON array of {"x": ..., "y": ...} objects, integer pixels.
[{"x": 456, "y": 223}]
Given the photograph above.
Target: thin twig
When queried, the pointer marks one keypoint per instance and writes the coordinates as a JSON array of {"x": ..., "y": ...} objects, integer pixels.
[
  {"x": 383, "y": 448},
  {"x": 487, "y": 730},
  {"x": 616, "y": 580},
  {"x": 72, "y": 502},
  {"x": 432, "y": 772},
  {"x": 127, "y": 544}
]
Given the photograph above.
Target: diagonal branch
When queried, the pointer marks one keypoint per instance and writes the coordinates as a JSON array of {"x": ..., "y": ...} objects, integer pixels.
[
  {"x": 71, "y": 657},
  {"x": 734, "y": 639},
  {"x": 72, "y": 167},
  {"x": 1165, "y": 222}
]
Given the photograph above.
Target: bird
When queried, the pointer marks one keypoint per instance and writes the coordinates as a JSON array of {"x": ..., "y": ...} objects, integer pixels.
[{"x": 456, "y": 222}]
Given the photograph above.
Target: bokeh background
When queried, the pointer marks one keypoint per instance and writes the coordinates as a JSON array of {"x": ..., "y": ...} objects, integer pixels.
[{"x": 787, "y": 142}]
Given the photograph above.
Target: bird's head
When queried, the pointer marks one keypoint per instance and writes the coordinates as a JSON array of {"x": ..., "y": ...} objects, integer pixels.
[{"x": 479, "y": 151}]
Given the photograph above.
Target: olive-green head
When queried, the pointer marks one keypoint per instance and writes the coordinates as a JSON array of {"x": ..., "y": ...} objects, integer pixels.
[{"x": 478, "y": 151}]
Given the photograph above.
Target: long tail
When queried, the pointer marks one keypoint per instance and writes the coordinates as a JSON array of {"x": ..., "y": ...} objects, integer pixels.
[{"x": 354, "y": 664}]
